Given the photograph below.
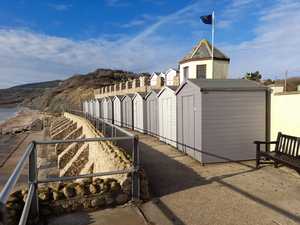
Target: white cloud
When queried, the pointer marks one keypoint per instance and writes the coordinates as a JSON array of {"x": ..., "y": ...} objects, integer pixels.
[
  {"x": 27, "y": 56},
  {"x": 140, "y": 21},
  {"x": 276, "y": 46},
  {"x": 60, "y": 7},
  {"x": 117, "y": 3}
]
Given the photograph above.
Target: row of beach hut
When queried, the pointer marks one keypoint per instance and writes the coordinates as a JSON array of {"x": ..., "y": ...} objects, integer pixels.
[{"x": 210, "y": 120}]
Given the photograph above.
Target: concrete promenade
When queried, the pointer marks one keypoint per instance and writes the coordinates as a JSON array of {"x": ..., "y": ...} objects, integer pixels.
[{"x": 186, "y": 193}]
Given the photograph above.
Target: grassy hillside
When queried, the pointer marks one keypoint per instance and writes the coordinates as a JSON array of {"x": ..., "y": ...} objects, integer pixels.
[{"x": 55, "y": 95}]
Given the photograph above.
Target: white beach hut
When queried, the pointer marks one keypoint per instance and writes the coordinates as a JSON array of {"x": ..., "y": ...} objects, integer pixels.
[
  {"x": 97, "y": 108},
  {"x": 217, "y": 120},
  {"x": 167, "y": 120},
  {"x": 152, "y": 112},
  {"x": 139, "y": 112},
  {"x": 127, "y": 111},
  {"x": 117, "y": 110},
  {"x": 91, "y": 107}
]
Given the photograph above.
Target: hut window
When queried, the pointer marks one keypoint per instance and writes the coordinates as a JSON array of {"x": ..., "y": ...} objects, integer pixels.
[
  {"x": 137, "y": 83},
  {"x": 201, "y": 71},
  {"x": 185, "y": 72}
]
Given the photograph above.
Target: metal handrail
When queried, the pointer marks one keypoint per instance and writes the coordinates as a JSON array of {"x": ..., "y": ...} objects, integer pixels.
[
  {"x": 31, "y": 204},
  {"x": 24, "y": 216},
  {"x": 56, "y": 179},
  {"x": 4, "y": 195},
  {"x": 76, "y": 112},
  {"x": 82, "y": 140}
]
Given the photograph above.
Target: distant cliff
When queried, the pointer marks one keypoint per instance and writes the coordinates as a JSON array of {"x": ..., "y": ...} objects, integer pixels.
[{"x": 53, "y": 96}]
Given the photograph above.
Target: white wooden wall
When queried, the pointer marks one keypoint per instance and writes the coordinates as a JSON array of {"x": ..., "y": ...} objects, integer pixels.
[
  {"x": 167, "y": 117},
  {"x": 139, "y": 114},
  {"x": 91, "y": 108},
  {"x": 117, "y": 112},
  {"x": 105, "y": 109},
  {"x": 169, "y": 80},
  {"x": 231, "y": 122},
  {"x": 97, "y": 109}
]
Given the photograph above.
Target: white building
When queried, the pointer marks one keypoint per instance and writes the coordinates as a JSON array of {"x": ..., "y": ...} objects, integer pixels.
[
  {"x": 198, "y": 63},
  {"x": 153, "y": 78},
  {"x": 169, "y": 77}
]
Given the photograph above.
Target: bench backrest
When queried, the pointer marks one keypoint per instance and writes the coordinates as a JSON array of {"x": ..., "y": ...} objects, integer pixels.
[{"x": 288, "y": 145}]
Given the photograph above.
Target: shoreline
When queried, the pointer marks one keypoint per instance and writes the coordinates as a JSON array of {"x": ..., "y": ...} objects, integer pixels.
[
  {"x": 22, "y": 120},
  {"x": 11, "y": 116}
]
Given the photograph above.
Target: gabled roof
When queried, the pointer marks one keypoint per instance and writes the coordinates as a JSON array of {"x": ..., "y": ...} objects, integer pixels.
[
  {"x": 155, "y": 91},
  {"x": 172, "y": 88},
  {"x": 223, "y": 85},
  {"x": 203, "y": 51},
  {"x": 118, "y": 96},
  {"x": 170, "y": 70},
  {"x": 142, "y": 94},
  {"x": 128, "y": 95},
  {"x": 154, "y": 73},
  {"x": 111, "y": 98}
]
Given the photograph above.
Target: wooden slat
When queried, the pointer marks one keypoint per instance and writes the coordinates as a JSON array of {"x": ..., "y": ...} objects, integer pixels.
[
  {"x": 297, "y": 148},
  {"x": 277, "y": 146},
  {"x": 292, "y": 152},
  {"x": 282, "y": 149}
]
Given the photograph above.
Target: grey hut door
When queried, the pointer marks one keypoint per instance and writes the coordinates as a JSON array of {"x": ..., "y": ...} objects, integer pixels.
[
  {"x": 188, "y": 124},
  {"x": 152, "y": 117}
]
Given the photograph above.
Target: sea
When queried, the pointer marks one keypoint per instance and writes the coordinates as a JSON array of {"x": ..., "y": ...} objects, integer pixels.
[{"x": 6, "y": 113}]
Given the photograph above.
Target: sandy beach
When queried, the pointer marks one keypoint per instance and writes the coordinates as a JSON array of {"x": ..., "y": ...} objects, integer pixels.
[
  {"x": 23, "y": 119},
  {"x": 15, "y": 135}
]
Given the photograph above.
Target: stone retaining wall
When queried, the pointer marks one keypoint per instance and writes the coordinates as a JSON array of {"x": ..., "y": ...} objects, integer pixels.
[
  {"x": 75, "y": 134},
  {"x": 82, "y": 158}
]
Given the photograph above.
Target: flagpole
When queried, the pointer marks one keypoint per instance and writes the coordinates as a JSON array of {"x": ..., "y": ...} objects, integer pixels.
[{"x": 212, "y": 41}]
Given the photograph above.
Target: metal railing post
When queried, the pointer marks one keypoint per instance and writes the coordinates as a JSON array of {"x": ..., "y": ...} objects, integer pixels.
[
  {"x": 3, "y": 214},
  {"x": 135, "y": 173},
  {"x": 33, "y": 179}
]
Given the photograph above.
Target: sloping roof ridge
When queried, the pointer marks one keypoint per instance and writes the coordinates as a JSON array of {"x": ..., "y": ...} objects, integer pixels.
[{"x": 203, "y": 41}]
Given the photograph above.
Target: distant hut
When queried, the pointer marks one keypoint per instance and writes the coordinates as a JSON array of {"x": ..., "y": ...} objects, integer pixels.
[
  {"x": 91, "y": 107},
  {"x": 127, "y": 111},
  {"x": 100, "y": 109},
  {"x": 97, "y": 108},
  {"x": 219, "y": 119},
  {"x": 110, "y": 109},
  {"x": 152, "y": 112},
  {"x": 85, "y": 106},
  {"x": 101, "y": 106},
  {"x": 117, "y": 110},
  {"x": 139, "y": 112},
  {"x": 167, "y": 119},
  {"x": 107, "y": 108},
  {"x": 170, "y": 76}
]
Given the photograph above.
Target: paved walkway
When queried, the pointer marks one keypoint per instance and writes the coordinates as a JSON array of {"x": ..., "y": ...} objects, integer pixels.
[
  {"x": 187, "y": 193},
  {"x": 128, "y": 215}
]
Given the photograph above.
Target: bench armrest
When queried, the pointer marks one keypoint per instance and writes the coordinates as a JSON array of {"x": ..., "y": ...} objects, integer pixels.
[{"x": 265, "y": 142}]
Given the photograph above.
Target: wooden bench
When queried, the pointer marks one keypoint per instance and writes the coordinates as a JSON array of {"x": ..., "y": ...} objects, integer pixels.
[{"x": 287, "y": 152}]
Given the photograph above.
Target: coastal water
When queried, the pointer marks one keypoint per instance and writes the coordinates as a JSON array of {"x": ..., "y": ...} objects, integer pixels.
[{"x": 6, "y": 113}]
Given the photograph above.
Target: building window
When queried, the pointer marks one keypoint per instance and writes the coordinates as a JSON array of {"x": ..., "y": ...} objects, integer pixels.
[
  {"x": 185, "y": 73},
  {"x": 201, "y": 71}
]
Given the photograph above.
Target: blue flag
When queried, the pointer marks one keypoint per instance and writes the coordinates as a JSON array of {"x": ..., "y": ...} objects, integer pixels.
[{"x": 206, "y": 19}]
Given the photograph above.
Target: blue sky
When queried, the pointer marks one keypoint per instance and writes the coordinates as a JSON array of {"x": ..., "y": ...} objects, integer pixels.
[{"x": 45, "y": 40}]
